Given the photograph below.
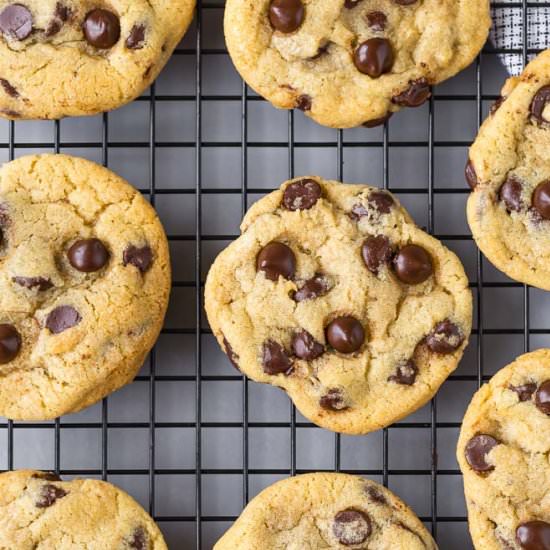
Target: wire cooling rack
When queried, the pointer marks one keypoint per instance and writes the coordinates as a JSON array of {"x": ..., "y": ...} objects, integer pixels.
[{"x": 193, "y": 440}]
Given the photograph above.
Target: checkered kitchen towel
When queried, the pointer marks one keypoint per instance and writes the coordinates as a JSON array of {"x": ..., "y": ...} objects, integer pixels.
[{"x": 507, "y": 31}]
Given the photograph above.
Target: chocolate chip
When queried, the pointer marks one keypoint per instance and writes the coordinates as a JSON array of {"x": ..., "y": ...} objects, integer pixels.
[
  {"x": 141, "y": 257},
  {"x": 40, "y": 283},
  {"x": 8, "y": 88},
  {"x": 412, "y": 264},
  {"x": 476, "y": 452},
  {"x": 375, "y": 495},
  {"x": 136, "y": 38},
  {"x": 542, "y": 397},
  {"x": 301, "y": 195},
  {"x": 541, "y": 199},
  {"x": 312, "y": 288},
  {"x": 305, "y": 346},
  {"x": 381, "y": 201},
  {"x": 416, "y": 94},
  {"x": 276, "y": 260},
  {"x": 88, "y": 255},
  {"x": 496, "y": 105},
  {"x": 48, "y": 495},
  {"x": 445, "y": 338},
  {"x": 101, "y": 28},
  {"x": 534, "y": 535},
  {"x": 61, "y": 15},
  {"x": 351, "y": 527},
  {"x": 358, "y": 211},
  {"x": 10, "y": 343},
  {"x": 333, "y": 400},
  {"x": 286, "y": 15},
  {"x": 376, "y": 252},
  {"x": 525, "y": 391},
  {"x": 377, "y": 20},
  {"x": 10, "y": 113},
  {"x": 62, "y": 318},
  {"x": 47, "y": 476},
  {"x": 542, "y": 97},
  {"x": 16, "y": 22},
  {"x": 378, "y": 121},
  {"x": 374, "y": 57},
  {"x": 345, "y": 334},
  {"x": 303, "y": 102},
  {"x": 470, "y": 174},
  {"x": 405, "y": 374},
  {"x": 510, "y": 194},
  {"x": 231, "y": 355},
  {"x": 350, "y": 4},
  {"x": 275, "y": 359},
  {"x": 138, "y": 539}
]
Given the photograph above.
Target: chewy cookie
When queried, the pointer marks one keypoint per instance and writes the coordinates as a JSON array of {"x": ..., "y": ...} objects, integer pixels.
[
  {"x": 326, "y": 510},
  {"x": 84, "y": 284},
  {"x": 38, "y": 510},
  {"x": 68, "y": 58},
  {"x": 335, "y": 295},
  {"x": 352, "y": 62},
  {"x": 509, "y": 173},
  {"x": 503, "y": 454}
]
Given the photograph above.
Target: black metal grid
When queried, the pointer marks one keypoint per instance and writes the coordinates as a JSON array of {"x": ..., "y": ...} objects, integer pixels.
[{"x": 384, "y": 145}]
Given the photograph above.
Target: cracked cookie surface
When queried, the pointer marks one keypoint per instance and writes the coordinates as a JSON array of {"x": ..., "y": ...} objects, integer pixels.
[
  {"x": 503, "y": 454},
  {"x": 352, "y": 62},
  {"x": 39, "y": 510},
  {"x": 326, "y": 510},
  {"x": 70, "y": 58},
  {"x": 84, "y": 284},
  {"x": 335, "y": 295}
]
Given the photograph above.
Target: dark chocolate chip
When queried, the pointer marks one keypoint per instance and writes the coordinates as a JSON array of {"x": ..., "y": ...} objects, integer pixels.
[
  {"x": 510, "y": 194},
  {"x": 304, "y": 102},
  {"x": 49, "y": 494},
  {"x": 312, "y": 288},
  {"x": 470, "y": 174},
  {"x": 376, "y": 252},
  {"x": 286, "y": 15},
  {"x": 136, "y": 38},
  {"x": 445, "y": 338},
  {"x": 333, "y": 400},
  {"x": 301, "y": 195},
  {"x": 345, "y": 334},
  {"x": 101, "y": 28},
  {"x": 9, "y": 88},
  {"x": 375, "y": 495},
  {"x": 16, "y": 22},
  {"x": 62, "y": 318},
  {"x": 378, "y": 121},
  {"x": 541, "y": 99},
  {"x": 416, "y": 94},
  {"x": 476, "y": 452},
  {"x": 276, "y": 260},
  {"x": 350, "y": 4},
  {"x": 358, "y": 211},
  {"x": 374, "y": 57},
  {"x": 413, "y": 264},
  {"x": 381, "y": 201},
  {"x": 231, "y": 355},
  {"x": 61, "y": 15},
  {"x": 525, "y": 391},
  {"x": 305, "y": 346},
  {"x": 138, "y": 539},
  {"x": 351, "y": 527},
  {"x": 10, "y": 343},
  {"x": 533, "y": 535},
  {"x": 47, "y": 476},
  {"x": 40, "y": 283},
  {"x": 140, "y": 257},
  {"x": 541, "y": 199},
  {"x": 542, "y": 397},
  {"x": 88, "y": 255},
  {"x": 496, "y": 105},
  {"x": 275, "y": 359},
  {"x": 377, "y": 20},
  {"x": 405, "y": 374}
]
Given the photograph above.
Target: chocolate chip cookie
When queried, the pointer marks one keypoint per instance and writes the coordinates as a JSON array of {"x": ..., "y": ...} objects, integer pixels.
[
  {"x": 503, "y": 454},
  {"x": 509, "y": 173},
  {"x": 352, "y": 62},
  {"x": 335, "y": 295},
  {"x": 38, "y": 510},
  {"x": 68, "y": 58},
  {"x": 326, "y": 510},
  {"x": 84, "y": 284}
]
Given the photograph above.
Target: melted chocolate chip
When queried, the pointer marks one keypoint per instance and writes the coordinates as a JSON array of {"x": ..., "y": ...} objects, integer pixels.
[
  {"x": 275, "y": 359},
  {"x": 381, "y": 201},
  {"x": 142, "y": 257},
  {"x": 541, "y": 199},
  {"x": 542, "y": 397},
  {"x": 378, "y": 121},
  {"x": 510, "y": 194},
  {"x": 136, "y": 38},
  {"x": 49, "y": 494},
  {"x": 405, "y": 374},
  {"x": 286, "y": 16},
  {"x": 416, "y": 94},
  {"x": 301, "y": 195},
  {"x": 534, "y": 535},
  {"x": 376, "y": 252},
  {"x": 374, "y": 57},
  {"x": 351, "y": 527},
  {"x": 9, "y": 88},
  {"x": 375, "y": 495},
  {"x": 47, "y": 476},
  {"x": 40, "y": 283},
  {"x": 138, "y": 539},
  {"x": 304, "y": 102},
  {"x": 445, "y": 338},
  {"x": 476, "y": 452},
  {"x": 350, "y": 4},
  {"x": 61, "y": 15},
  {"x": 470, "y": 174},
  {"x": 16, "y": 22},
  {"x": 541, "y": 99},
  {"x": 88, "y": 255},
  {"x": 377, "y": 20},
  {"x": 345, "y": 334},
  {"x": 62, "y": 318},
  {"x": 412, "y": 264},
  {"x": 525, "y": 391},
  {"x": 10, "y": 343},
  {"x": 101, "y": 29},
  {"x": 312, "y": 288},
  {"x": 276, "y": 260},
  {"x": 305, "y": 346},
  {"x": 231, "y": 355},
  {"x": 333, "y": 400}
]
